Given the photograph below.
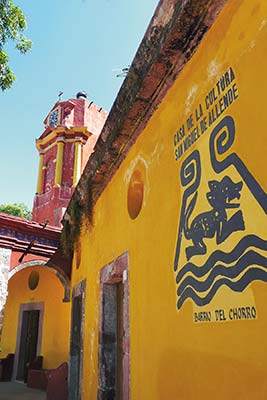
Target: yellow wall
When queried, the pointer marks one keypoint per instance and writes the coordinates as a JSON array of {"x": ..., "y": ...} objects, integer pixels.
[
  {"x": 55, "y": 333},
  {"x": 171, "y": 356}
]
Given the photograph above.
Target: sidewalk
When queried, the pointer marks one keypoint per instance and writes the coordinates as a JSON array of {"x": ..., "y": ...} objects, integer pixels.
[{"x": 19, "y": 391}]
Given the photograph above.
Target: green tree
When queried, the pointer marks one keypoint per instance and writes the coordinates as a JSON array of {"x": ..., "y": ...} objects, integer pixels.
[
  {"x": 12, "y": 25},
  {"x": 17, "y": 209}
]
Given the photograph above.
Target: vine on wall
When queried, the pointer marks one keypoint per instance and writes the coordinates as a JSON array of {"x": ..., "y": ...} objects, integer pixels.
[{"x": 80, "y": 210}]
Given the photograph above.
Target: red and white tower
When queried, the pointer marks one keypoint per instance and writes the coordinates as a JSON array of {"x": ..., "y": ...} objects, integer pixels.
[{"x": 71, "y": 131}]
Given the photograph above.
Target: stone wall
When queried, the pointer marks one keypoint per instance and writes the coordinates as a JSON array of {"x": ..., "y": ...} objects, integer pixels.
[{"x": 4, "y": 270}]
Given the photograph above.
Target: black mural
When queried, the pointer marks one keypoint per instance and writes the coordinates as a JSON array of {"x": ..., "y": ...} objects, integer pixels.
[
  {"x": 221, "y": 140},
  {"x": 215, "y": 222},
  {"x": 243, "y": 260}
]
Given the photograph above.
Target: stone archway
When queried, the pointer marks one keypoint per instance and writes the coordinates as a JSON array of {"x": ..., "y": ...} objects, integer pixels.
[{"x": 42, "y": 263}]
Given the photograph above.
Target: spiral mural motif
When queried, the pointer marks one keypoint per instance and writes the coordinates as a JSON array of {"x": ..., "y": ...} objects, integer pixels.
[
  {"x": 190, "y": 178},
  {"x": 247, "y": 261}
]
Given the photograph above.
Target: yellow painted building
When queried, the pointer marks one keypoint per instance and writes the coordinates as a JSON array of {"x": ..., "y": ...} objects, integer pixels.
[
  {"x": 168, "y": 283},
  {"x": 168, "y": 223},
  {"x": 35, "y": 296},
  {"x": 53, "y": 316}
]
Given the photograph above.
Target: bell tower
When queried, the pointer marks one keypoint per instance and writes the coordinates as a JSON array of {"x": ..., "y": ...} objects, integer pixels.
[{"x": 71, "y": 131}]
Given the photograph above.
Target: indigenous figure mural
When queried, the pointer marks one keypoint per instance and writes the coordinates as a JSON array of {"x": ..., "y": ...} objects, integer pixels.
[{"x": 246, "y": 260}]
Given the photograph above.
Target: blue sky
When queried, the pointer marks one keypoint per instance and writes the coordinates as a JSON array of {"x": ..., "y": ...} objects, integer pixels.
[{"x": 77, "y": 45}]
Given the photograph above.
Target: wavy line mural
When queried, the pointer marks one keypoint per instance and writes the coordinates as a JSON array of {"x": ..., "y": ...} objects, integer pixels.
[{"x": 201, "y": 266}]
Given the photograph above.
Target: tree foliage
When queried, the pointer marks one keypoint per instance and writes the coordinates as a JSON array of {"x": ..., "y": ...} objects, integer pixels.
[
  {"x": 17, "y": 209},
  {"x": 12, "y": 25}
]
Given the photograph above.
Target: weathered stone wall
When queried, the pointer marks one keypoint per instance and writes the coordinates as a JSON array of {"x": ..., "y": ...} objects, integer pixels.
[{"x": 4, "y": 269}]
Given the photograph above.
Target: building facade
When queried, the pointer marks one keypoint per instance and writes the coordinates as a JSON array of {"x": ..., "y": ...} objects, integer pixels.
[
  {"x": 34, "y": 271},
  {"x": 169, "y": 281},
  {"x": 166, "y": 229}
]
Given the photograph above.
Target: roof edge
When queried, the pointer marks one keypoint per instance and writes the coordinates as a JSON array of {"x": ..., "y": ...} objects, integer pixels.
[{"x": 173, "y": 35}]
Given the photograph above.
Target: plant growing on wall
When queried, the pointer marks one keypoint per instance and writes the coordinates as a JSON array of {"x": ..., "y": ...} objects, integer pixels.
[
  {"x": 79, "y": 211},
  {"x": 71, "y": 227}
]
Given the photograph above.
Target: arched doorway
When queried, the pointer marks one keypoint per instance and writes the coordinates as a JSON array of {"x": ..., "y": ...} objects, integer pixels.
[{"x": 37, "y": 315}]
